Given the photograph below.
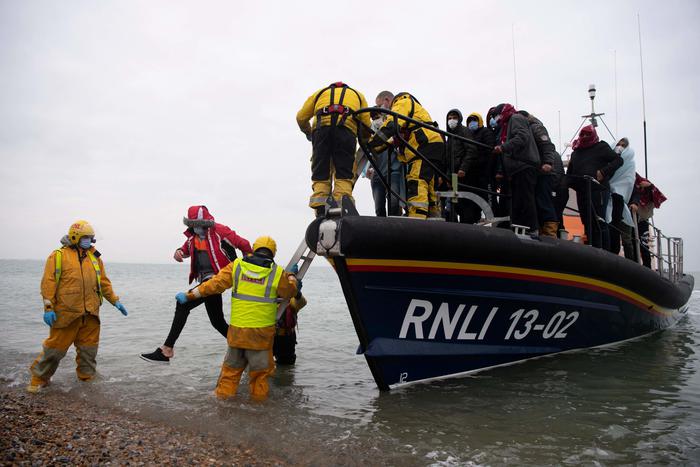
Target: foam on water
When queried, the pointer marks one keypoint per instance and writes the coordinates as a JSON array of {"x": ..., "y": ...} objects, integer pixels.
[{"x": 637, "y": 402}]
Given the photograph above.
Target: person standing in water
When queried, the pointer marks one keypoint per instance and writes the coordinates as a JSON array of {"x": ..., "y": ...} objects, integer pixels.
[
  {"x": 256, "y": 283},
  {"x": 73, "y": 287},
  {"x": 210, "y": 247}
]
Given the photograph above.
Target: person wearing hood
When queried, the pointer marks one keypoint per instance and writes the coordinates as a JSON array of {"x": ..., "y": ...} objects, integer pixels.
[
  {"x": 459, "y": 153},
  {"x": 420, "y": 177},
  {"x": 645, "y": 197},
  {"x": 73, "y": 288},
  {"x": 521, "y": 161},
  {"x": 549, "y": 179},
  {"x": 256, "y": 282},
  {"x": 475, "y": 170},
  {"x": 496, "y": 179},
  {"x": 617, "y": 213},
  {"x": 210, "y": 246},
  {"x": 592, "y": 163}
]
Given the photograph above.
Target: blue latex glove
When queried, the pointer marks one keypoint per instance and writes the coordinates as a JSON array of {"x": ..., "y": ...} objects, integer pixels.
[
  {"x": 121, "y": 308},
  {"x": 299, "y": 284},
  {"x": 181, "y": 298},
  {"x": 49, "y": 318},
  {"x": 294, "y": 269}
]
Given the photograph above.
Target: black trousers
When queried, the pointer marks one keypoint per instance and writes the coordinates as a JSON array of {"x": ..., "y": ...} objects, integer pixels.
[
  {"x": 596, "y": 229},
  {"x": 523, "y": 206},
  {"x": 543, "y": 196},
  {"x": 214, "y": 306},
  {"x": 336, "y": 144},
  {"x": 284, "y": 349}
]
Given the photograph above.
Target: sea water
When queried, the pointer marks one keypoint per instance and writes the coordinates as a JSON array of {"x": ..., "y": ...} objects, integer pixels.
[{"x": 636, "y": 402}]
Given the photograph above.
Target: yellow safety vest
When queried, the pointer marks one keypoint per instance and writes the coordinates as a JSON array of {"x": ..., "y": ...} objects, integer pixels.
[
  {"x": 95, "y": 264},
  {"x": 254, "y": 294}
]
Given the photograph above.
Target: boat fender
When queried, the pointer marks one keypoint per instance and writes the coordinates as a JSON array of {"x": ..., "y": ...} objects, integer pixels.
[{"x": 329, "y": 238}]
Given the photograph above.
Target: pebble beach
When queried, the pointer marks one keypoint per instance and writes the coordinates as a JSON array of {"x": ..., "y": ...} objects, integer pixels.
[{"x": 53, "y": 428}]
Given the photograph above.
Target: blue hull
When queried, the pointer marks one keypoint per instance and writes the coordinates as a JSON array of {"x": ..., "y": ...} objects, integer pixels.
[
  {"x": 451, "y": 308},
  {"x": 424, "y": 325}
]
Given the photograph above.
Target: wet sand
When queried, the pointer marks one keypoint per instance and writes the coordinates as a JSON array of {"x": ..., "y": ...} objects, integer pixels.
[{"x": 58, "y": 429}]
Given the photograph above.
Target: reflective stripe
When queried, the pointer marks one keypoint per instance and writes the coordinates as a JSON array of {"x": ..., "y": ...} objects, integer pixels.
[
  {"x": 196, "y": 293},
  {"x": 96, "y": 266},
  {"x": 236, "y": 275},
  {"x": 253, "y": 298},
  {"x": 59, "y": 262},
  {"x": 211, "y": 249},
  {"x": 268, "y": 289},
  {"x": 418, "y": 204},
  {"x": 254, "y": 294},
  {"x": 317, "y": 200}
]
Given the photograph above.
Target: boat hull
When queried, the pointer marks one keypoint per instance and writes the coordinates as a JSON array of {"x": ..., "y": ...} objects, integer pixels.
[{"x": 477, "y": 301}]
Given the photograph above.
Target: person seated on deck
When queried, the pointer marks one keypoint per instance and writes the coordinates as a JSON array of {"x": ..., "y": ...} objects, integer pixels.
[
  {"x": 617, "y": 213},
  {"x": 594, "y": 159},
  {"x": 645, "y": 197},
  {"x": 420, "y": 177}
]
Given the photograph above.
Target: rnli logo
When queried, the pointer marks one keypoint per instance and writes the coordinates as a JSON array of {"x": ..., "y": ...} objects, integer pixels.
[{"x": 423, "y": 320}]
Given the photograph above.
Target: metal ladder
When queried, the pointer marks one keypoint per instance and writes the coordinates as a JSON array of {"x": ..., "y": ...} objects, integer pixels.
[{"x": 304, "y": 254}]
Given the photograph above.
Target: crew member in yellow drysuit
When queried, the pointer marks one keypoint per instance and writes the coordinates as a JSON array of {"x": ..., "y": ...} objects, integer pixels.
[
  {"x": 255, "y": 282},
  {"x": 73, "y": 286},
  {"x": 420, "y": 177},
  {"x": 333, "y": 138}
]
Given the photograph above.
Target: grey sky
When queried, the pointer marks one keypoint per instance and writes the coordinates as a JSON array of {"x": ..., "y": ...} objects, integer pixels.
[{"x": 125, "y": 113}]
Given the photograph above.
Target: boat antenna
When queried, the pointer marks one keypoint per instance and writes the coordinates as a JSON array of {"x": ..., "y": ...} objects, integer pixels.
[
  {"x": 515, "y": 74},
  {"x": 644, "y": 107}
]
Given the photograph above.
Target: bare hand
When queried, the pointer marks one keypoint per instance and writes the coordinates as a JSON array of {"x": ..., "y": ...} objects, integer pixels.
[
  {"x": 498, "y": 150},
  {"x": 546, "y": 168},
  {"x": 461, "y": 173},
  {"x": 645, "y": 184},
  {"x": 634, "y": 207},
  {"x": 370, "y": 172},
  {"x": 178, "y": 255},
  {"x": 599, "y": 175}
]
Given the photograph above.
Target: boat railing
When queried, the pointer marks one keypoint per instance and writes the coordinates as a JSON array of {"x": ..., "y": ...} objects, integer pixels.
[
  {"x": 668, "y": 253},
  {"x": 456, "y": 190}
]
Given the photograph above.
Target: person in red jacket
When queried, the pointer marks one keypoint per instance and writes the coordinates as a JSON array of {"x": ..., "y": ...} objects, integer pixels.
[{"x": 211, "y": 246}]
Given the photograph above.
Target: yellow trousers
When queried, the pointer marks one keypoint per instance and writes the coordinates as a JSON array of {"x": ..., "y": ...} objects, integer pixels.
[{"x": 84, "y": 334}]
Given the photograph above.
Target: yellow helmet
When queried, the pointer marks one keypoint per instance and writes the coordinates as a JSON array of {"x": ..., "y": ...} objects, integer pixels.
[
  {"x": 265, "y": 242},
  {"x": 80, "y": 229}
]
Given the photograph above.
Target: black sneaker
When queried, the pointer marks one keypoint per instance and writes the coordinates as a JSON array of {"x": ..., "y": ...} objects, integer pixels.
[{"x": 155, "y": 357}]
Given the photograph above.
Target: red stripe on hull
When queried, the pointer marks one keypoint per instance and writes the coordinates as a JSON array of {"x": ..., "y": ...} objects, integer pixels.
[{"x": 500, "y": 275}]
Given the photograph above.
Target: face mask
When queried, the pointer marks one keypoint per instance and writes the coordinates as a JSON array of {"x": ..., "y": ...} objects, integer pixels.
[
  {"x": 377, "y": 123},
  {"x": 452, "y": 123},
  {"x": 473, "y": 125},
  {"x": 85, "y": 243},
  {"x": 619, "y": 149},
  {"x": 200, "y": 231},
  {"x": 493, "y": 122}
]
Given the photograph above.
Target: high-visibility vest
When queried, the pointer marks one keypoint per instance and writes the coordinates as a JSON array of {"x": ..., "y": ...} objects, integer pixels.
[
  {"x": 254, "y": 294},
  {"x": 95, "y": 264}
]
